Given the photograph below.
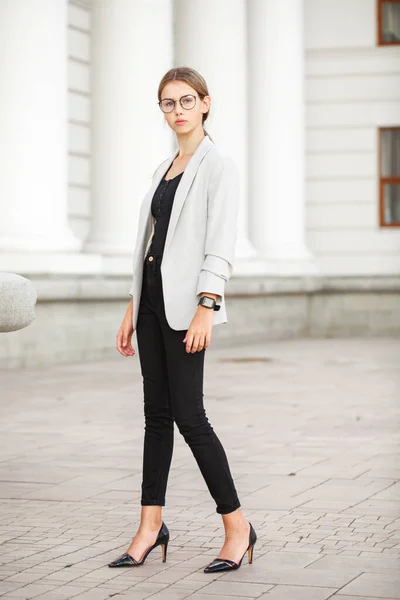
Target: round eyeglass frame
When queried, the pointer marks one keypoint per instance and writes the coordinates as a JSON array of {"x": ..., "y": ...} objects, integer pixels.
[{"x": 180, "y": 102}]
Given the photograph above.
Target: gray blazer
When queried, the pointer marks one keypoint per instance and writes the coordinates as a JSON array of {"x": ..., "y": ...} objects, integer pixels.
[{"x": 201, "y": 238}]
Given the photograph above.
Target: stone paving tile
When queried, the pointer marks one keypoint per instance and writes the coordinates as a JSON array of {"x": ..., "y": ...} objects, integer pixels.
[
  {"x": 234, "y": 589},
  {"x": 315, "y": 456},
  {"x": 32, "y": 590},
  {"x": 292, "y": 592},
  {"x": 93, "y": 594},
  {"x": 64, "y": 592},
  {"x": 381, "y": 564},
  {"x": 192, "y": 585},
  {"x": 341, "y": 597},
  {"x": 292, "y": 576},
  {"x": 7, "y": 587},
  {"x": 168, "y": 593},
  {"x": 203, "y": 596},
  {"x": 374, "y": 584}
]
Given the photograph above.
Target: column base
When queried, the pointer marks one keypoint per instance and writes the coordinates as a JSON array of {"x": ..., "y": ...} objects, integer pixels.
[
  {"x": 109, "y": 248},
  {"x": 51, "y": 263},
  {"x": 277, "y": 266},
  {"x": 63, "y": 241},
  {"x": 285, "y": 260},
  {"x": 289, "y": 259},
  {"x": 118, "y": 265},
  {"x": 290, "y": 267},
  {"x": 244, "y": 248}
]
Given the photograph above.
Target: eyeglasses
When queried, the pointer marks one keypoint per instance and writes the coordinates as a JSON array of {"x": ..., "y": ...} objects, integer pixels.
[{"x": 187, "y": 102}]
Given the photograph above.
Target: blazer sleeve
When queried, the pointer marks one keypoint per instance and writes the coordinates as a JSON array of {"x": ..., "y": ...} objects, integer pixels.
[{"x": 222, "y": 228}]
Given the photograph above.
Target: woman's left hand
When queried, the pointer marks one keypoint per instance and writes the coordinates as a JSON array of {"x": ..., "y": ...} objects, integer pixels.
[{"x": 198, "y": 336}]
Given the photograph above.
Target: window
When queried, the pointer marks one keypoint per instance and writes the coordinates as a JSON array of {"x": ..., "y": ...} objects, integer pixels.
[
  {"x": 388, "y": 22},
  {"x": 389, "y": 173}
]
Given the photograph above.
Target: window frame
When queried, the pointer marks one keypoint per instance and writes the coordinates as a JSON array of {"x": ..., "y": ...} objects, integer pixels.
[
  {"x": 379, "y": 21},
  {"x": 385, "y": 180}
]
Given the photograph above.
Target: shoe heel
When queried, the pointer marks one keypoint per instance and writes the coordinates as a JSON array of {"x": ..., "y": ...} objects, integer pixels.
[
  {"x": 164, "y": 551},
  {"x": 252, "y": 541}
]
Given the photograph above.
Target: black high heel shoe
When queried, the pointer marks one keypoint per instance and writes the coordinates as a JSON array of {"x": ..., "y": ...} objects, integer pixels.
[
  {"x": 126, "y": 560},
  {"x": 224, "y": 564}
]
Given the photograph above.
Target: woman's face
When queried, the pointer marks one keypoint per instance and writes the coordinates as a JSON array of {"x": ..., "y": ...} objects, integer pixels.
[{"x": 180, "y": 119}]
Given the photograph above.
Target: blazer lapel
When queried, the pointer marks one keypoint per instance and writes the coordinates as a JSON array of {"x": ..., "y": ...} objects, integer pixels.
[
  {"x": 145, "y": 222},
  {"x": 184, "y": 185}
]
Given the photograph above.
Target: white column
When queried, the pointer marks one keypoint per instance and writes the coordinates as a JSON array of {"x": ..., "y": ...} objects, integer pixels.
[
  {"x": 277, "y": 135},
  {"x": 211, "y": 38},
  {"x": 131, "y": 51},
  {"x": 33, "y": 132}
]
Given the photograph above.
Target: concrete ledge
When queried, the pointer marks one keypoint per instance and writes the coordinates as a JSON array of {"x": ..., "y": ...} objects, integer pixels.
[
  {"x": 116, "y": 288},
  {"x": 77, "y": 319}
]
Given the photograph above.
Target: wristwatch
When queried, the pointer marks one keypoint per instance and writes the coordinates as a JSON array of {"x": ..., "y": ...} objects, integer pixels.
[{"x": 208, "y": 302}]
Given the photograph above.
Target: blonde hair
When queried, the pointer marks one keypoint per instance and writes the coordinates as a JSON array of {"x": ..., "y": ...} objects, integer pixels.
[{"x": 192, "y": 78}]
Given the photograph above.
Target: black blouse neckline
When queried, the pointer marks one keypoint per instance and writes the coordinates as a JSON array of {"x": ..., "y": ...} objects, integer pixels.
[
  {"x": 179, "y": 174},
  {"x": 161, "y": 208}
]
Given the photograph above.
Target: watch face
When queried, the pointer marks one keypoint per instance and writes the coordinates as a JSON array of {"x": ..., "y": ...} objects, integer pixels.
[{"x": 207, "y": 302}]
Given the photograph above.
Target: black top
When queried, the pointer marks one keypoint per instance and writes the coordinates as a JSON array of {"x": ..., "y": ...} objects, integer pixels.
[{"x": 161, "y": 206}]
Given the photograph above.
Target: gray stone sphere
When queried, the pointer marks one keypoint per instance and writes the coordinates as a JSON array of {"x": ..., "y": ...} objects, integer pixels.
[{"x": 17, "y": 302}]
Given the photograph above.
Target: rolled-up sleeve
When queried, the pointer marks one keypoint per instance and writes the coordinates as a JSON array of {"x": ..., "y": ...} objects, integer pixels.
[{"x": 222, "y": 228}]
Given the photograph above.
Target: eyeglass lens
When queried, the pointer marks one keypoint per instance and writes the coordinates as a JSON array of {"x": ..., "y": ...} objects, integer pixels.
[{"x": 167, "y": 104}]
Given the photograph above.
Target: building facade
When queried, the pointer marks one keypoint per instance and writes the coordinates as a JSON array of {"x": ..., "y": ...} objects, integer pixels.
[{"x": 305, "y": 97}]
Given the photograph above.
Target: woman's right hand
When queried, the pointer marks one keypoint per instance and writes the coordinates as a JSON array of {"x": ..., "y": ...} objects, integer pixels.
[{"x": 124, "y": 336}]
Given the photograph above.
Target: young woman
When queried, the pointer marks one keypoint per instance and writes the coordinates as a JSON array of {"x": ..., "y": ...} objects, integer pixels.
[{"x": 183, "y": 257}]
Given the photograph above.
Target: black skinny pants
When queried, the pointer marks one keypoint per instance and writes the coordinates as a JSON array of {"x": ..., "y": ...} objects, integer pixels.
[{"x": 173, "y": 391}]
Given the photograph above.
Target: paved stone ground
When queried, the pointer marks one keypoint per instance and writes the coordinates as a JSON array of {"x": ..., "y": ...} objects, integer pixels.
[{"x": 312, "y": 433}]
